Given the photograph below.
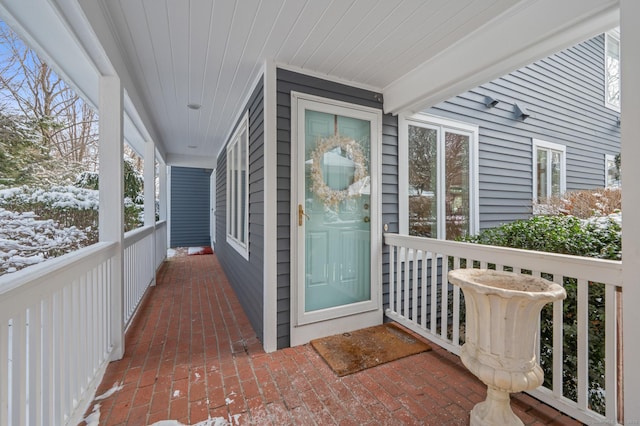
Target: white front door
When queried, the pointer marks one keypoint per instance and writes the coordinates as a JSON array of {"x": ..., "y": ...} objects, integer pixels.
[{"x": 335, "y": 217}]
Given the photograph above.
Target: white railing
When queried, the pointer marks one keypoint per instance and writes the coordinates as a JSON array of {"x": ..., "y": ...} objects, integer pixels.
[
  {"x": 161, "y": 242},
  {"x": 139, "y": 267},
  {"x": 434, "y": 311},
  {"x": 56, "y": 336}
]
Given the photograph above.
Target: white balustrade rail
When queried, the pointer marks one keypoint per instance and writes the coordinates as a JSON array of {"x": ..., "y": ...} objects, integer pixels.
[
  {"x": 56, "y": 336},
  {"x": 139, "y": 267},
  {"x": 434, "y": 310},
  {"x": 161, "y": 242}
]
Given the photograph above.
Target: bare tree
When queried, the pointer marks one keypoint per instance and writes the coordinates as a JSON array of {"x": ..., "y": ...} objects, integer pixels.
[{"x": 67, "y": 126}]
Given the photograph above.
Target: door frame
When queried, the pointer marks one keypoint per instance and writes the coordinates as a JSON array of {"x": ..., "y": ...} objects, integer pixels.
[{"x": 307, "y": 326}]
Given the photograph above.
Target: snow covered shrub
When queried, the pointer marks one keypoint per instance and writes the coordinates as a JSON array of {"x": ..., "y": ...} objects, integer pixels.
[
  {"x": 68, "y": 206},
  {"x": 582, "y": 204},
  {"x": 26, "y": 240}
]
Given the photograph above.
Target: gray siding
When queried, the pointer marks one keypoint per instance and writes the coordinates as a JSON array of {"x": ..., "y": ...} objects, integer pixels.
[
  {"x": 246, "y": 277},
  {"x": 564, "y": 94},
  {"x": 288, "y": 81},
  {"x": 190, "y": 207}
]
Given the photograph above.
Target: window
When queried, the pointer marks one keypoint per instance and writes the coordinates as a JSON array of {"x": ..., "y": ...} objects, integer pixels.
[
  {"x": 439, "y": 182},
  {"x": 549, "y": 169},
  {"x": 612, "y": 69},
  {"x": 612, "y": 172},
  {"x": 238, "y": 189}
]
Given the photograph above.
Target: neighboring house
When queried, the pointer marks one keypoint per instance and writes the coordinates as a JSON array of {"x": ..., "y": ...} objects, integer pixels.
[
  {"x": 550, "y": 127},
  {"x": 472, "y": 162}
]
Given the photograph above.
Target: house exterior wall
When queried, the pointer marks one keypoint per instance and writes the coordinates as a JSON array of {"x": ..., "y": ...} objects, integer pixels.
[
  {"x": 288, "y": 81},
  {"x": 246, "y": 276},
  {"x": 190, "y": 207},
  {"x": 565, "y": 97}
]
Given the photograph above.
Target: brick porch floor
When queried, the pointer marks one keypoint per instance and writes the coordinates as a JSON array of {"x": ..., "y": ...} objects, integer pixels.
[{"x": 191, "y": 355}]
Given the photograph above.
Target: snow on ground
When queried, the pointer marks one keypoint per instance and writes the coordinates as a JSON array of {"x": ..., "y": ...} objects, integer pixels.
[{"x": 93, "y": 419}]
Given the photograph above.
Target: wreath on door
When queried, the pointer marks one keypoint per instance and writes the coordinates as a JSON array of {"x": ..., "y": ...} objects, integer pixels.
[{"x": 351, "y": 149}]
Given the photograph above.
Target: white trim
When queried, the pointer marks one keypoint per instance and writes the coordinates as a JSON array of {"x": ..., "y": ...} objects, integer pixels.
[
  {"x": 270, "y": 250},
  {"x": 306, "y": 326},
  {"x": 327, "y": 77},
  {"x": 551, "y": 146},
  {"x": 612, "y": 34},
  {"x": 240, "y": 136},
  {"x": 630, "y": 129},
  {"x": 444, "y": 124}
]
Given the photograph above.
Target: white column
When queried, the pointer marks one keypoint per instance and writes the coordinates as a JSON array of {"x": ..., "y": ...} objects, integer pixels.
[
  {"x": 149, "y": 184},
  {"x": 270, "y": 272},
  {"x": 164, "y": 194},
  {"x": 111, "y": 219},
  {"x": 630, "y": 129}
]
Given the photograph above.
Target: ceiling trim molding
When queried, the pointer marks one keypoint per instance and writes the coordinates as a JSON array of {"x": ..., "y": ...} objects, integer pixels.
[
  {"x": 329, "y": 77},
  {"x": 198, "y": 161},
  {"x": 516, "y": 42}
]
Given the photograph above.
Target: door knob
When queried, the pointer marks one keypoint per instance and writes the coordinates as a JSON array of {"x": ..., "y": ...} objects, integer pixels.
[{"x": 301, "y": 213}]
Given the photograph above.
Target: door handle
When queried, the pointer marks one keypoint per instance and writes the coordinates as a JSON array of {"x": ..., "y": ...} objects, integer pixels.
[{"x": 301, "y": 213}]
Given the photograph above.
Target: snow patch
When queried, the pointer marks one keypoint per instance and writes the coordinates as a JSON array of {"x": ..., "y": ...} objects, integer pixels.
[
  {"x": 93, "y": 419},
  {"x": 176, "y": 393},
  {"x": 115, "y": 388},
  {"x": 211, "y": 421}
]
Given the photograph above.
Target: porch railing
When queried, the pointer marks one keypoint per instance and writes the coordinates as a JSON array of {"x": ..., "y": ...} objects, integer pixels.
[
  {"x": 161, "y": 242},
  {"x": 572, "y": 332},
  {"x": 55, "y": 336},
  {"x": 139, "y": 267}
]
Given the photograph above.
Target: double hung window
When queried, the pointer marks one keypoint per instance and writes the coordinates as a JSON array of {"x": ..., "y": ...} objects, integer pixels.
[
  {"x": 549, "y": 169},
  {"x": 238, "y": 189}
]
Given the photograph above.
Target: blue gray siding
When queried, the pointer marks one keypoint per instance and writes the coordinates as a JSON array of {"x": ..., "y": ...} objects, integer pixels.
[
  {"x": 246, "y": 277},
  {"x": 288, "y": 81},
  {"x": 190, "y": 207},
  {"x": 564, "y": 93}
]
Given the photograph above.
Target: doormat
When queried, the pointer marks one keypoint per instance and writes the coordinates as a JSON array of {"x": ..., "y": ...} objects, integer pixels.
[
  {"x": 199, "y": 250},
  {"x": 358, "y": 350}
]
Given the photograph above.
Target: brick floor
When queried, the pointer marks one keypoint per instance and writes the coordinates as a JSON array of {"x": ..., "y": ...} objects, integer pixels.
[{"x": 191, "y": 355}]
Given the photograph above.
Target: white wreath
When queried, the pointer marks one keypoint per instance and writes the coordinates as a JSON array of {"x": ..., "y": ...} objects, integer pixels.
[{"x": 329, "y": 196}]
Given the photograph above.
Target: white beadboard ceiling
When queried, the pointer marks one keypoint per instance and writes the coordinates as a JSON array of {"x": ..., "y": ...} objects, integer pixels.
[{"x": 209, "y": 52}]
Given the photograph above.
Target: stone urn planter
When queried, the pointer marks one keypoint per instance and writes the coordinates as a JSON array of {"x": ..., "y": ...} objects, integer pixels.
[{"x": 502, "y": 311}]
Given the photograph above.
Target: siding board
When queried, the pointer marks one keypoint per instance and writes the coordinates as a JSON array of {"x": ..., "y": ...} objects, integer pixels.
[
  {"x": 190, "y": 207},
  {"x": 246, "y": 277},
  {"x": 288, "y": 81},
  {"x": 564, "y": 94}
]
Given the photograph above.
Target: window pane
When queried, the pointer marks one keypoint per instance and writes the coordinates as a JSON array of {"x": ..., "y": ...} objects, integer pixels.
[
  {"x": 613, "y": 71},
  {"x": 423, "y": 210},
  {"x": 555, "y": 172},
  {"x": 613, "y": 178},
  {"x": 457, "y": 185},
  {"x": 542, "y": 174},
  {"x": 243, "y": 187}
]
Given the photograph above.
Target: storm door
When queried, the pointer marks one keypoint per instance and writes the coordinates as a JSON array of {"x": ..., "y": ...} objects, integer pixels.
[{"x": 336, "y": 218}]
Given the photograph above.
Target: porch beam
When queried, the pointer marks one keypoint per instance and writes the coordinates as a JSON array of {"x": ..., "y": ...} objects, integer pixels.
[
  {"x": 523, "y": 34},
  {"x": 111, "y": 186},
  {"x": 630, "y": 149}
]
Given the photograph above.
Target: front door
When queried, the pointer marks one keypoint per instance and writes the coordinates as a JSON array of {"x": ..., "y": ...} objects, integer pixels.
[{"x": 335, "y": 210}]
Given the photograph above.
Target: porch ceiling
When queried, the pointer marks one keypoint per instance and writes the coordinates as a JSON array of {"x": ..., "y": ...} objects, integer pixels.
[{"x": 210, "y": 52}]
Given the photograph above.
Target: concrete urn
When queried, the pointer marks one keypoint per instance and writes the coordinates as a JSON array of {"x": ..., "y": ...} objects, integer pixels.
[{"x": 502, "y": 311}]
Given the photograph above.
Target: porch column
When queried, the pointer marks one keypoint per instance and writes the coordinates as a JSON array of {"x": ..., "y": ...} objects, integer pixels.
[
  {"x": 630, "y": 149},
  {"x": 162, "y": 180},
  {"x": 111, "y": 219},
  {"x": 149, "y": 183}
]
